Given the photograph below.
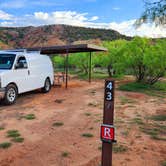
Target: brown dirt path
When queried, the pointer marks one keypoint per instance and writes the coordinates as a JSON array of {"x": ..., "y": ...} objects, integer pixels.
[{"x": 80, "y": 109}]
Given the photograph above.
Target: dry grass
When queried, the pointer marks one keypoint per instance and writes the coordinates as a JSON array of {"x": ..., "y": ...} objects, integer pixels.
[
  {"x": 58, "y": 124},
  {"x": 88, "y": 135}
]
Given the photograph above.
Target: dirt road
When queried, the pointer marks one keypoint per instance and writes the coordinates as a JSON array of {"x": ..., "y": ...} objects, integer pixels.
[{"x": 55, "y": 136}]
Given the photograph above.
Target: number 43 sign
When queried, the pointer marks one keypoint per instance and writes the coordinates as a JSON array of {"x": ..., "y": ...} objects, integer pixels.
[{"x": 109, "y": 91}]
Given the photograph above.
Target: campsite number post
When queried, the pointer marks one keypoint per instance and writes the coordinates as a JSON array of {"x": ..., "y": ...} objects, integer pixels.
[{"x": 107, "y": 128}]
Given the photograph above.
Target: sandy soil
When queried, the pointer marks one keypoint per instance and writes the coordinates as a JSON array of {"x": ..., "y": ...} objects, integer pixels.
[{"x": 80, "y": 110}]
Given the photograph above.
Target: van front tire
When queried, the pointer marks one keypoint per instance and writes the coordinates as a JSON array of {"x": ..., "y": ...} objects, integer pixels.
[
  {"x": 11, "y": 94},
  {"x": 47, "y": 86}
]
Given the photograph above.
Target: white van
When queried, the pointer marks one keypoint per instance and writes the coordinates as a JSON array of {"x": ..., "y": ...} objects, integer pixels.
[{"x": 22, "y": 71}]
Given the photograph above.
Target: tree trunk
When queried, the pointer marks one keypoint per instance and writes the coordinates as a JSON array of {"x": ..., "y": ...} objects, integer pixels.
[
  {"x": 155, "y": 79},
  {"x": 109, "y": 68},
  {"x": 85, "y": 69}
]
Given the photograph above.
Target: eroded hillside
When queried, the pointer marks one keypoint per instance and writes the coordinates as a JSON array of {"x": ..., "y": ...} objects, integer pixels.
[{"x": 52, "y": 35}]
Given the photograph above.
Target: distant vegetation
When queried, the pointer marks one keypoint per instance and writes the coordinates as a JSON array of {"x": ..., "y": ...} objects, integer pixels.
[
  {"x": 142, "y": 57},
  {"x": 72, "y": 33},
  {"x": 158, "y": 89}
]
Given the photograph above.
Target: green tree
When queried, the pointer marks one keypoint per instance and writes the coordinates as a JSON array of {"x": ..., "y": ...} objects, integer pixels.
[
  {"x": 145, "y": 58},
  {"x": 77, "y": 60},
  {"x": 58, "y": 61},
  {"x": 155, "y": 61},
  {"x": 113, "y": 55},
  {"x": 155, "y": 11},
  {"x": 81, "y": 61}
]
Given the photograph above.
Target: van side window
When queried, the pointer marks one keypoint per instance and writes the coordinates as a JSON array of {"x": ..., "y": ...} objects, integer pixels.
[{"x": 22, "y": 63}]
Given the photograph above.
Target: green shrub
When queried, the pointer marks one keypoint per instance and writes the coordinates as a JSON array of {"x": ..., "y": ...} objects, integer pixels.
[
  {"x": 18, "y": 139},
  {"x": 13, "y": 133},
  {"x": 158, "y": 89},
  {"x": 138, "y": 121},
  {"x": 158, "y": 117},
  {"x": 29, "y": 117},
  {"x": 87, "y": 135},
  {"x": 88, "y": 114},
  {"x": 163, "y": 163},
  {"x": 5, "y": 145},
  {"x": 119, "y": 148},
  {"x": 2, "y": 128},
  {"x": 65, "y": 154},
  {"x": 58, "y": 124}
]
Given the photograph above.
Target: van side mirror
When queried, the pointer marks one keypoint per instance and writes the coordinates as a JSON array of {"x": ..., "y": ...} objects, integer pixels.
[{"x": 19, "y": 65}]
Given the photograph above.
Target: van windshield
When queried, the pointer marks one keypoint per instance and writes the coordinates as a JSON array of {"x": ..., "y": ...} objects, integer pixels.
[{"x": 6, "y": 61}]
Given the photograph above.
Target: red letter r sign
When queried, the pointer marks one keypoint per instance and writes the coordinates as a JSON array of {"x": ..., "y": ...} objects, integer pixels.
[{"x": 107, "y": 133}]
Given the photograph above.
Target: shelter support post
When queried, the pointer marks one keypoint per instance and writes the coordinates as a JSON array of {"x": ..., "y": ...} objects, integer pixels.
[
  {"x": 90, "y": 66},
  {"x": 67, "y": 67},
  {"x": 64, "y": 69}
]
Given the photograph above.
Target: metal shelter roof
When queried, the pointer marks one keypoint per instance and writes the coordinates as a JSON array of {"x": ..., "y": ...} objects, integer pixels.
[{"x": 68, "y": 49}]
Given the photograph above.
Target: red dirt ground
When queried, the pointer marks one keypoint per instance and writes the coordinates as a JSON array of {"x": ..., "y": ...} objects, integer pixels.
[{"x": 80, "y": 109}]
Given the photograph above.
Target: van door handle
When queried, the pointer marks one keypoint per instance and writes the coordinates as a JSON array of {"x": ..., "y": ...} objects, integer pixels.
[{"x": 28, "y": 72}]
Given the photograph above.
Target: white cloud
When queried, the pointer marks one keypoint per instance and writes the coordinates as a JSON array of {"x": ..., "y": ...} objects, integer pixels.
[
  {"x": 6, "y": 24},
  {"x": 94, "y": 18},
  {"x": 116, "y": 8},
  {"x": 146, "y": 30},
  {"x": 62, "y": 17},
  {"x": 81, "y": 19},
  {"x": 41, "y": 16},
  {"x": 5, "y": 16}
]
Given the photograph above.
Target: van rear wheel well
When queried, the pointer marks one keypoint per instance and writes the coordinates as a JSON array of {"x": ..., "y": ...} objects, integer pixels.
[
  {"x": 47, "y": 85},
  {"x": 48, "y": 79}
]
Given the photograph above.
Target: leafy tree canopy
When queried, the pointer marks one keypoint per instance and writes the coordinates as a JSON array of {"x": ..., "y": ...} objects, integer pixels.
[
  {"x": 155, "y": 11},
  {"x": 145, "y": 58}
]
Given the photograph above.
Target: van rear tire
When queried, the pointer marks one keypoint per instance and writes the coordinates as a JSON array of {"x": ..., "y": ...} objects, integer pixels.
[
  {"x": 11, "y": 94},
  {"x": 47, "y": 86}
]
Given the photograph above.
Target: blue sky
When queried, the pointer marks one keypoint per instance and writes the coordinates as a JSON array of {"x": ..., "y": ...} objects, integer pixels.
[
  {"x": 106, "y": 10},
  {"x": 110, "y": 14}
]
